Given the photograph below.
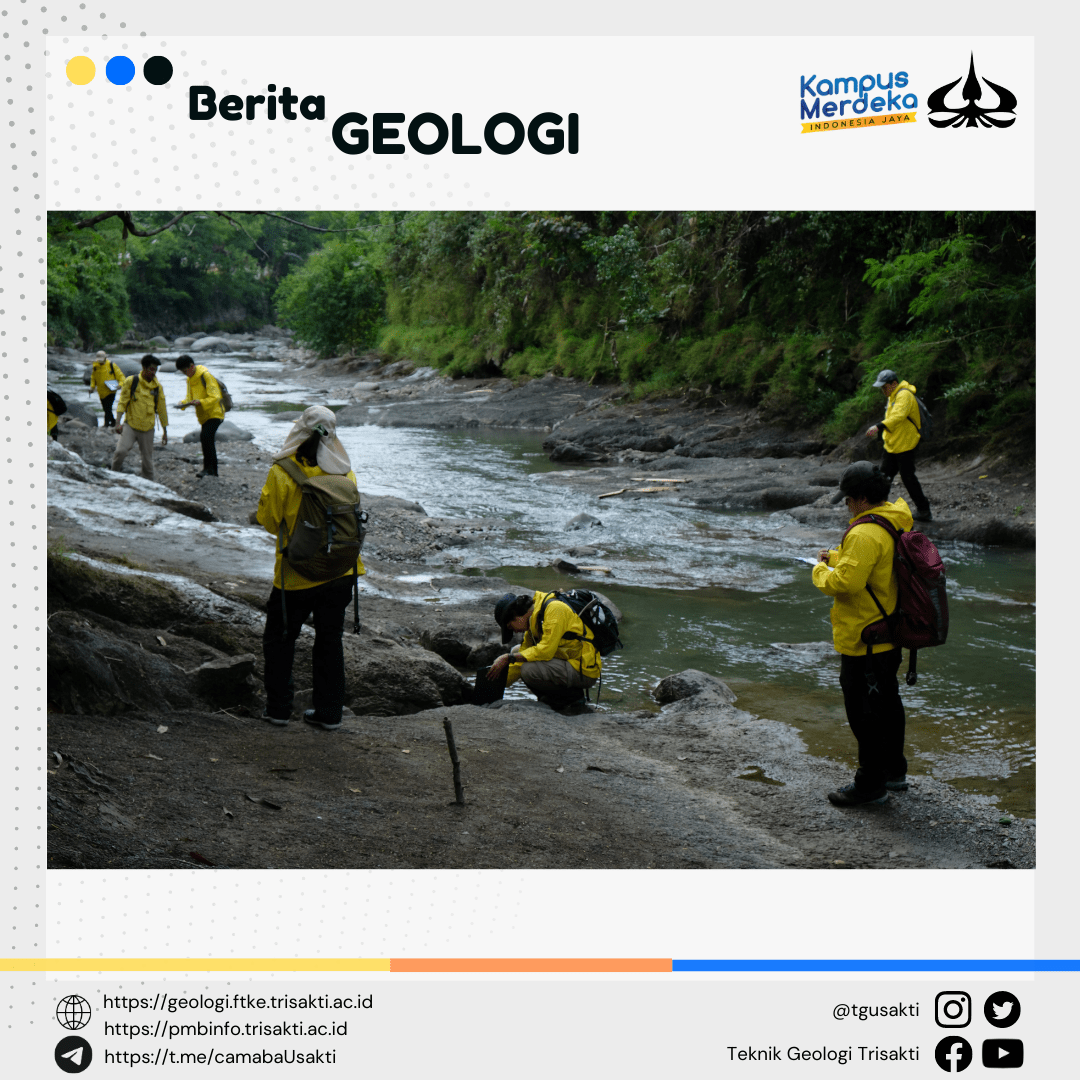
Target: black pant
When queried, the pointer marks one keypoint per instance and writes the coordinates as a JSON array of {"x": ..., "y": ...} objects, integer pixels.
[
  {"x": 209, "y": 450},
  {"x": 327, "y": 604},
  {"x": 904, "y": 464},
  {"x": 106, "y": 404},
  {"x": 876, "y": 715}
]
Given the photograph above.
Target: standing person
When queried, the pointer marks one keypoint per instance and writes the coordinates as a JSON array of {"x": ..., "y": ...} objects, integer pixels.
[
  {"x": 312, "y": 449},
  {"x": 556, "y": 660},
  {"x": 204, "y": 393},
  {"x": 105, "y": 378},
  {"x": 902, "y": 430},
  {"x": 864, "y": 562},
  {"x": 142, "y": 400}
]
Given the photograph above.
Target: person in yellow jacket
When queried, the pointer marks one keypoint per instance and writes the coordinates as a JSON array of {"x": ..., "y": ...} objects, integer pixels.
[
  {"x": 864, "y": 562},
  {"x": 52, "y": 418},
  {"x": 314, "y": 447},
  {"x": 901, "y": 430},
  {"x": 142, "y": 401},
  {"x": 556, "y": 660},
  {"x": 204, "y": 393},
  {"x": 105, "y": 378}
]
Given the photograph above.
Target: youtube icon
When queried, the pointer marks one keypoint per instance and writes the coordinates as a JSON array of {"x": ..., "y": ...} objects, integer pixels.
[{"x": 1002, "y": 1053}]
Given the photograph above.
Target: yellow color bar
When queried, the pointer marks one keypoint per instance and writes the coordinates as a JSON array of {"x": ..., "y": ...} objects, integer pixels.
[
  {"x": 191, "y": 964},
  {"x": 859, "y": 123}
]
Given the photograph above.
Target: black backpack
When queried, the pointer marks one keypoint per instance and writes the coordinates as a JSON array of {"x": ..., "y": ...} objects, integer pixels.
[
  {"x": 925, "y": 419},
  {"x": 594, "y": 614},
  {"x": 59, "y": 405}
]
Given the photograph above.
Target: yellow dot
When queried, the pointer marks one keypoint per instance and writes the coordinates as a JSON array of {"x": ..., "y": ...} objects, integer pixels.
[{"x": 81, "y": 70}]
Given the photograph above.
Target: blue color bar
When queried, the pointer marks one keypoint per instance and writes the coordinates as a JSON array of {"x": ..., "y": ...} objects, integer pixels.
[{"x": 875, "y": 965}]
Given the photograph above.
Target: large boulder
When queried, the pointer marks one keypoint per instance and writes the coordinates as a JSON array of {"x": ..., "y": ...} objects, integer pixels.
[
  {"x": 388, "y": 679},
  {"x": 204, "y": 344},
  {"x": 80, "y": 410},
  {"x": 227, "y": 681},
  {"x": 94, "y": 671},
  {"x": 227, "y": 432},
  {"x": 692, "y": 689}
]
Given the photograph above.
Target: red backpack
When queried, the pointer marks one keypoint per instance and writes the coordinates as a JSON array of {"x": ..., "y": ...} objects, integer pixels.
[{"x": 921, "y": 618}]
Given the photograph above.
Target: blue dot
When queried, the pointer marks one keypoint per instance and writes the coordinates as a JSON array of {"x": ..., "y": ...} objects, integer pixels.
[{"x": 120, "y": 70}]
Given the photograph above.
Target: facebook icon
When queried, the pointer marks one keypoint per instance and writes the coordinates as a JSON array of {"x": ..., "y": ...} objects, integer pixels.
[{"x": 953, "y": 1054}]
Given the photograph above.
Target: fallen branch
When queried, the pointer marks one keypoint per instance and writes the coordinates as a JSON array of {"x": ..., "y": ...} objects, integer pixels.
[
  {"x": 608, "y": 494},
  {"x": 459, "y": 791}
]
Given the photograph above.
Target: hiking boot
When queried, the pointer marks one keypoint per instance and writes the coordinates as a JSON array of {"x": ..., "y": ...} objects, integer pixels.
[
  {"x": 849, "y": 796},
  {"x": 276, "y": 720},
  {"x": 575, "y": 708},
  {"x": 897, "y": 783},
  {"x": 922, "y": 515},
  {"x": 309, "y": 718}
]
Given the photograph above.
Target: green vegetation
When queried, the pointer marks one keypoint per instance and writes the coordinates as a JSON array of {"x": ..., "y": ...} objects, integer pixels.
[
  {"x": 335, "y": 301},
  {"x": 794, "y": 312}
]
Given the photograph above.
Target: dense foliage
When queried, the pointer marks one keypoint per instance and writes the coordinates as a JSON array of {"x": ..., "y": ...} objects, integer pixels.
[
  {"x": 793, "y": 311},
  {"x": 335, "y": 301}
]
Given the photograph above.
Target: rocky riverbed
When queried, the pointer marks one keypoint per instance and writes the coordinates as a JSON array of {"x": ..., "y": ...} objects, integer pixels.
[{"x": 155, "y": 614}]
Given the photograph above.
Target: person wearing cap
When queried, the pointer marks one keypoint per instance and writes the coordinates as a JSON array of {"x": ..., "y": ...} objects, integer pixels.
[
  {"x": 863, "y": 561},
  {"x": 312, "y": 446},
  {"x": 105, "y": 378},
  {"x": 142, "y": 401},
  {"x": 556, "y": 660},
  {"x": 204, "y": 393},
  {"x": 901, "y": 430}
]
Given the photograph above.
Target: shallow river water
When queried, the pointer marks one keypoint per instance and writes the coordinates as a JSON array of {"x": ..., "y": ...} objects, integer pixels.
[{"x": 725, "y": 592}]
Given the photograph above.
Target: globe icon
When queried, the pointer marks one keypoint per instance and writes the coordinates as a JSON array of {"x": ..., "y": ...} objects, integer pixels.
[{"x": 73, "y": 1012}]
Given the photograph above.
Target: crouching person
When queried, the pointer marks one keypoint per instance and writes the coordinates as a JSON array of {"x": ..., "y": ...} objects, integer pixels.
[
  {"x": 317, "y": 567},
  {"x": 556, "y": 659}
]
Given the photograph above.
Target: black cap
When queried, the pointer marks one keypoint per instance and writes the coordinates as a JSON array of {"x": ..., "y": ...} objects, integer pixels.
[
  {"x": 502, "y": 615},
  {"x": 885, "y": 376}
]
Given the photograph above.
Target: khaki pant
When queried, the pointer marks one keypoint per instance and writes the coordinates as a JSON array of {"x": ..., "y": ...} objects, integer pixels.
[
  {"x": 128, "y": 439},
  {"x": 544, "y": 677}
]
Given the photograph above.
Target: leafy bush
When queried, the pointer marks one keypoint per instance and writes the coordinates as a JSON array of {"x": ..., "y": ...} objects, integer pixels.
[
  {"x": 336, "y": 300},
  {"x": 87, "y": 303}
]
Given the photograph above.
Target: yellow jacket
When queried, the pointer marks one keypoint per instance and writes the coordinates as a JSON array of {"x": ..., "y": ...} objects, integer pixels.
[
  {"x": 100, "y": 372},
  {"x": 559, "y": 619},
  {"x": 902, "y": 424},
  {"x": 203, "y": 389},
  {"x": 280, "y": 501},
  {"x": 53, "y": 418},
  {"x": 148, "y": 399},
  {"x": 865, "y": 556}
]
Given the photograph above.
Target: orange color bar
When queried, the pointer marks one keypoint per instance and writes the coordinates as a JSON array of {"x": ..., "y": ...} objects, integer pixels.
[{"x": 544, "y": 964}]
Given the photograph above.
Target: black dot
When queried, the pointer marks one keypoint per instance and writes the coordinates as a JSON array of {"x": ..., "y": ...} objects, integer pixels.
[{"x": 157, "y": 70}]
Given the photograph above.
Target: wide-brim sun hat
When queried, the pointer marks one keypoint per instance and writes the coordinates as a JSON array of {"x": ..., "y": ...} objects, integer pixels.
[{"x": 332, "y": 457}]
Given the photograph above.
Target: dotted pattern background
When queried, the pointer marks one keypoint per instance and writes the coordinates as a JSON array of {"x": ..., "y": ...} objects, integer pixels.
[{"x": 385, "y": 913}]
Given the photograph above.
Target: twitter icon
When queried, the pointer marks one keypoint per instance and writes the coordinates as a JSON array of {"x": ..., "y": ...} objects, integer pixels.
[{"x": 1002, "y": 1009}]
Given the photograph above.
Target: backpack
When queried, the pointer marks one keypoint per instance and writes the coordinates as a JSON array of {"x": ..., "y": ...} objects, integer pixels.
[
  {"x": 925, "y": 419},
  {"x": 330, "y": 526},
  {"x": 921, "y": 618},
  {"x": 226, "y": 397},
  {"x": 59, "y": 405},
  {"x": 594, "y": 614},
  {"x": 328, "y": 534}
]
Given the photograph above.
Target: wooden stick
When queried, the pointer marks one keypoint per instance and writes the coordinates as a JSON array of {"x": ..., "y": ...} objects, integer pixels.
[
  {"x": 608, "y": 494},
  {"x": 459, "y": 791},
  {"x": 660, "y": 480}
]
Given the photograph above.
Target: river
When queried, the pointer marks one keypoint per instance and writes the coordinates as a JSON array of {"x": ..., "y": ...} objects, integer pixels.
[{"x": 725, "y": 592}]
